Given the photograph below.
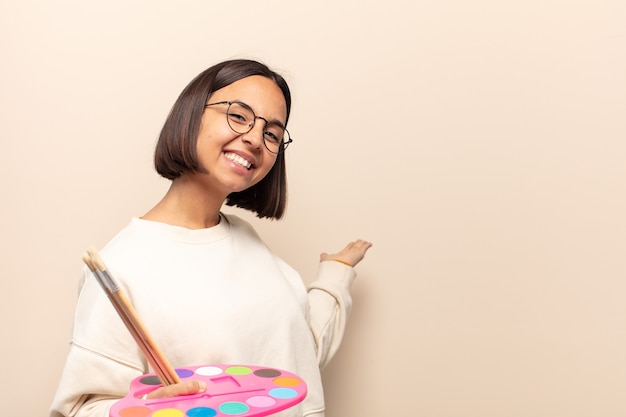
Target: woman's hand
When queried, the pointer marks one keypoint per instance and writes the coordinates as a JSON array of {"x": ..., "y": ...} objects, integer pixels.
[
  {"x": 352, "y": 254},
  {"x": 183, "y": 388}
]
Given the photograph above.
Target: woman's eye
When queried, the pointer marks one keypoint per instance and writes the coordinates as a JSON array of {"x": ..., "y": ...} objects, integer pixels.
[
  {"x": 272, "y": 137},
  {"x": 236, "y": 117}
]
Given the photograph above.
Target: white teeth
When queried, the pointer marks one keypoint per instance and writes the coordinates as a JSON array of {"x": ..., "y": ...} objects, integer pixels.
[{"x": 238, "y": 159}]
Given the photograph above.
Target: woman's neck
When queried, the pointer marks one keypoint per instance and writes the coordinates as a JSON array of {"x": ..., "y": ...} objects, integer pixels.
[{"x": 187, "y": 204}]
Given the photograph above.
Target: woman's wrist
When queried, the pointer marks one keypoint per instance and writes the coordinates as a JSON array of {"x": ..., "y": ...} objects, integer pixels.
[{"x": 341, "y": 262}]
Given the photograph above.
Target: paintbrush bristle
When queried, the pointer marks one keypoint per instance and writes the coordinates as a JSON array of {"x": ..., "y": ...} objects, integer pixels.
[
  {"x": 96, "y": 259},
  {"x": 87, "y": 260}
]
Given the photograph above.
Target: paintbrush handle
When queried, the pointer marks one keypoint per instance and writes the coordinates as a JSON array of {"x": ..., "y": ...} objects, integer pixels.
[
  {"x": 146, "y": 343},
  {"x": 155, "y": 357}
]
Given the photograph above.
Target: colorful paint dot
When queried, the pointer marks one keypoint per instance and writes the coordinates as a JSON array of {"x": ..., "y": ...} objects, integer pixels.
[
  {"x": 201, "y": 412},
  {"x": 283, "y": 393},
  {"x": 184, "y": 373},
  {"x": 238, "y": 370},
  {"x": 150, "y": 380},
  {"x": 260, "y": 401},
  {"x": 234, "y": 408},
  {"x": 209, "y": 370},
  {"x": 168, "y": 412},
  {"x": 287, "y": 381},
  {"x": 135, "y": 411},
  {"x": 267, "y": 373}
]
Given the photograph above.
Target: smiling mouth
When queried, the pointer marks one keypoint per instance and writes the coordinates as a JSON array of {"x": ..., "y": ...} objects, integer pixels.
[{"x": 239, "y": 160}]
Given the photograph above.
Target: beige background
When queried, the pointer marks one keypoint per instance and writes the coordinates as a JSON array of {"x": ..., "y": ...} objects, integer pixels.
[{"x": 479, "y": 144}]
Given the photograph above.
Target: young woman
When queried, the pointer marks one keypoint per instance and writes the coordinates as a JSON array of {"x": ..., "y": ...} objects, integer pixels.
[{"x": 206, "y": 286}]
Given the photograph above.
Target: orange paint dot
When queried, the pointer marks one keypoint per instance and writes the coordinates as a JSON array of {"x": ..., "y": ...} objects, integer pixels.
[
  {"x": 135, "y": 411},
  {"x": 287, "y": 381}
]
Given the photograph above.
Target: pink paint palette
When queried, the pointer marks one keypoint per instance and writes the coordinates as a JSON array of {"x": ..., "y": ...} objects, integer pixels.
[{"x": 232, "y": 390}]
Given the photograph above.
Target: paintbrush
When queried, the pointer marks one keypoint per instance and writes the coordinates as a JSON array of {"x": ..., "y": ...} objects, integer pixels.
[{"x": 155, "y": 357}]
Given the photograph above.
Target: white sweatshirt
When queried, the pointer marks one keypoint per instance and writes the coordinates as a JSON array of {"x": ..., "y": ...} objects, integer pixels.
[{"x": 208, "y": 296}]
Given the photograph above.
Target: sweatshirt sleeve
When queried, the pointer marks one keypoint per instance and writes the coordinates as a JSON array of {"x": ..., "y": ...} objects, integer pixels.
[
  {"x": 82, "y": 393},
  {"x": 101, "y": 361},
  {"x": 330, "y": 303}
]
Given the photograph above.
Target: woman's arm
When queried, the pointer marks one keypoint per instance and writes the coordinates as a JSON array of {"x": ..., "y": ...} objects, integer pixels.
[{"x": 329, "y": 298}]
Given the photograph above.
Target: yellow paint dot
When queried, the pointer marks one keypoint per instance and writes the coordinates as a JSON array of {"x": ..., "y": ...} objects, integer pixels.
[{"x": 168, "y": 412}]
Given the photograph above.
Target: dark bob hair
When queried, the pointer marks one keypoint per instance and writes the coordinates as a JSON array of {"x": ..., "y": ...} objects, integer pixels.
[{"x": 176, "y": 151}]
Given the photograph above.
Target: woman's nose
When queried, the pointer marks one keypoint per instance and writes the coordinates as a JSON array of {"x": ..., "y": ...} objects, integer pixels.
[{"x": 255, "y": 136}]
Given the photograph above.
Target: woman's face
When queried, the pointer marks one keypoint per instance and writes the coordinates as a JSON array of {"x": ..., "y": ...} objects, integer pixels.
[{"x": 235, "y": 161}]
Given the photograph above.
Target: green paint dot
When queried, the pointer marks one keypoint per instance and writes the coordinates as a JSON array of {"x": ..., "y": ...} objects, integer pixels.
[
  {"x": 234, "y": 408},
  {"x": 238, "y": 370}
]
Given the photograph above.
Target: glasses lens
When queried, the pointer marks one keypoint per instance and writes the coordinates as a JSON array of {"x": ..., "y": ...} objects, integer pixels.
[
  {"x": 275, "y": 137},
  {"x": 240, "y": 118}
]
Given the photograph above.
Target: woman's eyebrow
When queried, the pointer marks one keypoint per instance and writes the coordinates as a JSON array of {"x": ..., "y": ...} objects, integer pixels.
[
  {"x": 277, "y": 123},
  {"x": 274, "y": 121}
]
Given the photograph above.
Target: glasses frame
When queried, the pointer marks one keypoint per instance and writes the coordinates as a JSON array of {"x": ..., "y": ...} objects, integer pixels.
[{"x": 281, "y": 147}]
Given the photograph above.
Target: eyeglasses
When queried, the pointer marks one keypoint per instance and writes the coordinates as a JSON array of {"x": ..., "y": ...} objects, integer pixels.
[{"x": 241, "y": 119}]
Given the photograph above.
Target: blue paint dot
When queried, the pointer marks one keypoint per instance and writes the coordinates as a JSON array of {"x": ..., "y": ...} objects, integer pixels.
[
  {"x": 283, "y": 393},
  {"x": 201, "y": 412}
]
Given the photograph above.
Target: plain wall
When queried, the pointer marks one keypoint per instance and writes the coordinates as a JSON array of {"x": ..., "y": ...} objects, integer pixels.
[{"x": 479, "y": 144}]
